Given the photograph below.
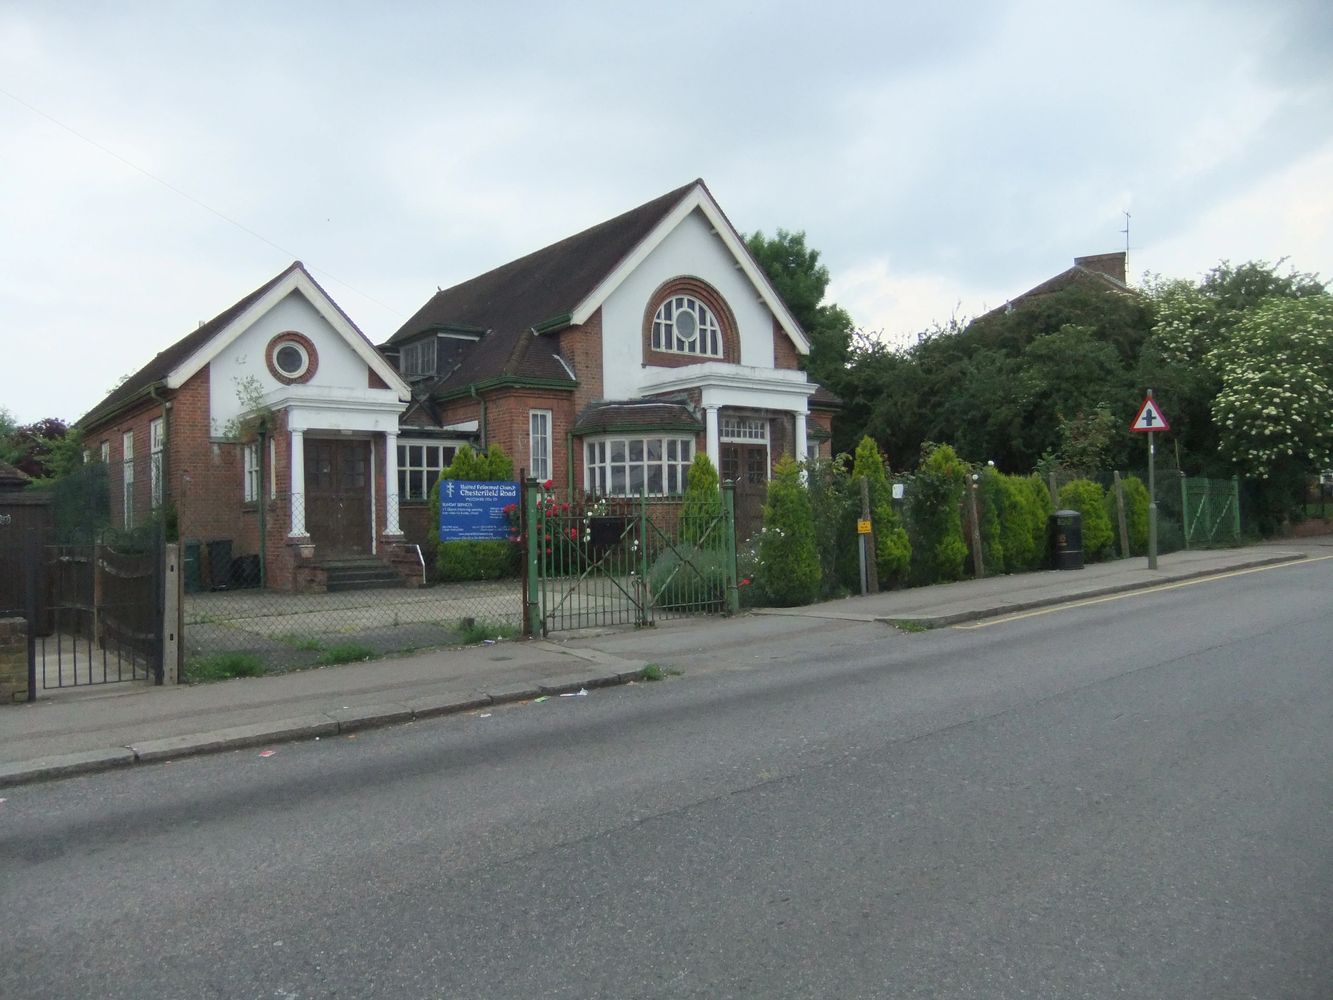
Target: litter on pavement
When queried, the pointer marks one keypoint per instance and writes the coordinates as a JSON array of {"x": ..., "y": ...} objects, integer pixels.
[
  {"x": 580, "y": 693},
  {"x": 538, "y": 701},
  {"x": 267, "y": 753}
]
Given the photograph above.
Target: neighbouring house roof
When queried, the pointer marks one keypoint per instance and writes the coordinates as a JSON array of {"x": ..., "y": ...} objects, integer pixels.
[
  {"x": 12, "y": 478},
  {"x": 1103, "y": 270},
  {"x": 195, "y": 349},
  {"x": 560, "y": 285},
  {"x": 824, "y": 399},
  {"x": 633, "y": 415}
]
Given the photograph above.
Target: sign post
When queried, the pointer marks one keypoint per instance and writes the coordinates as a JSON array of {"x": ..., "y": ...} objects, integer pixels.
[{"x": 1149, "y": 421}]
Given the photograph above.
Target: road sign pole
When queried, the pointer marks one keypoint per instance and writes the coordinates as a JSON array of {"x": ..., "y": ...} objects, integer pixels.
[{"x": 1152, "y": 505}]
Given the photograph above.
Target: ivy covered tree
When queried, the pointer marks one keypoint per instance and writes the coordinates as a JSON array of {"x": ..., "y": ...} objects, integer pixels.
[
  {"x": 893, "y": 551},
  {"x": 801, "y": 280}
]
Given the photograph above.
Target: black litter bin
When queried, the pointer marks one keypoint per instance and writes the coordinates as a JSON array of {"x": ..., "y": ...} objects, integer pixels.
[
  {"x": 1067, "y": 539},
  {"x": 219, "y": 564}
]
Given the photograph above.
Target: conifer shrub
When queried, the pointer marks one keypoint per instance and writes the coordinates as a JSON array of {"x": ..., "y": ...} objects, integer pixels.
[
  {"x": 935, "y": 516},
  {"x": 1136, "y": 515},
  {"x": 473, "y": 560},
  {"x": 1089, "y": 499},
  {"x": 1025, "y": 506},
  {"x": 789, "y": 559},
  {"x": 990, "y": 510},
  {"x": 702, "y": 504},
  {"x": 893, "y": 549},
  {"x": 834, "y": 494}
]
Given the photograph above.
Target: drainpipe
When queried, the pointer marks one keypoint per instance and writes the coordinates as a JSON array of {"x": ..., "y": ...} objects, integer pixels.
[
  {"x": 481, "y": 421},
  {"x": 569, "y": 465}
]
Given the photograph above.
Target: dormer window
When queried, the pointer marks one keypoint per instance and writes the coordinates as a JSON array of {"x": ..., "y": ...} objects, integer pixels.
[
  {"x": 417, "y": 359},
  {"x": 684, "y": 325}
]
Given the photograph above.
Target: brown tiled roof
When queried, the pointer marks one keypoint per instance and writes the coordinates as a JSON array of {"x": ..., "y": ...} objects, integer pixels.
[
  {"x": 166, "y": 361},
  {"x": 1096, "y": 271},
  {"x": 12, "y": 478},
  {"x": 510, "y": 300},
  {"x": 601, "y": 418},
  {"x": 825, "y": 399}
]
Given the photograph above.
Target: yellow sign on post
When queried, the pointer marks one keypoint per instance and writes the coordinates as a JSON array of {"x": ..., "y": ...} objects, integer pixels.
[{"x": 863, "y": 527}]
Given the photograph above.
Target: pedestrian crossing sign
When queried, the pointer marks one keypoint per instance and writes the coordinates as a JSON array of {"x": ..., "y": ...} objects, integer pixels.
[{"x": 1150, "y": 418}]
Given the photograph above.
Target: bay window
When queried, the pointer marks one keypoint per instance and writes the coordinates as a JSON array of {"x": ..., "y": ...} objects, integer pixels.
[{"x": 628, "y": 466}]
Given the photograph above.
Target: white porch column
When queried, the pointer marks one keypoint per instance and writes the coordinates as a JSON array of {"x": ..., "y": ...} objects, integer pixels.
[
  {"x": 711, "y": 435},
  {"x": 297, "y": 488},
  {"x": 801, "y": 443},
  {"x": 391, "y": 526}
]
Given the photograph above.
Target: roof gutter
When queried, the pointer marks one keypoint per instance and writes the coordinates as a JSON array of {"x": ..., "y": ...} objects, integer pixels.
[
  {"x": 553, "y": 324},
  {"x": 503, "y": 382},
  {"x": 149, "y": 390}
]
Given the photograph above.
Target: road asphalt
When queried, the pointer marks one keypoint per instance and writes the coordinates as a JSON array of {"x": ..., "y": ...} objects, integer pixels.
[{"x": 83, "y": 730}]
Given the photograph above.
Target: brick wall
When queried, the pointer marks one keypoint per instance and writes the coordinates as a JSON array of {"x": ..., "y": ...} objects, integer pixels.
[
  {"x": 13, "y": 660},
  {"x": 784, "y": 351},
  {"x": 507, "y": 425},
  {"x": 581, "y": 346}
]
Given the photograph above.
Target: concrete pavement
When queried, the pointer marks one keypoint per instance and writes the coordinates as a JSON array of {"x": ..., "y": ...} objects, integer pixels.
[{"x": 125, "y": 724}]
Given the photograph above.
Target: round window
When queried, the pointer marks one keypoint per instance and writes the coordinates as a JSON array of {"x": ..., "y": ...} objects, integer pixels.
[
  {"x": 687, "y": 326},
  {"x": 290, "y": 360}
]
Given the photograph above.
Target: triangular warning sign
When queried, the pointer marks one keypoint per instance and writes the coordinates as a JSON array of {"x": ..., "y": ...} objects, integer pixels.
[{"x": 1150, "y": 418}]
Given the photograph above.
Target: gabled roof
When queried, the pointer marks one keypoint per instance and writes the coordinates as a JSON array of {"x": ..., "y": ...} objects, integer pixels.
[
  {"x": 172, "y": 367},
  {"x": 1104, "y": 270},
  {"x": 564, "y": 284}
]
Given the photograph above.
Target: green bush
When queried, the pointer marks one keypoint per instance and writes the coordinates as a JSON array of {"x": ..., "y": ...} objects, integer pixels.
[
  {"x": 1025, "y": 506},
  {"x": 702, "y": 505},
  {"x": 832, "y": 493},
  {"x": 1088, "y": 498},
  {"x": 677, "y": 581},
  {"x": 473, "y": 560},
  {"x": 990, "y": 508},
  {"x": 788, "y": 556},
  {"x": 938, "y": 549},
  {"x": 893, "y": 550},
  {"x": 1136, "y": 513},
  {"x": 348, "y": 652}
]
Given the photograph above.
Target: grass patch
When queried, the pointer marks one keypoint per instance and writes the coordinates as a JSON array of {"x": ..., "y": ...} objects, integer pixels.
[
  {"x": 470, "y": 631},
  {"x": 657, "y": 672},
  {"x": 907, "y": 625},
  {"x": 305, "y": 645},
  {"x": 349, "y": 652},
  {"x": 223, "y": 666}
]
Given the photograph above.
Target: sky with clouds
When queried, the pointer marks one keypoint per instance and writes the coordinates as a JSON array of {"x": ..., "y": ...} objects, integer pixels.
[{"x": 160, "y": 160}]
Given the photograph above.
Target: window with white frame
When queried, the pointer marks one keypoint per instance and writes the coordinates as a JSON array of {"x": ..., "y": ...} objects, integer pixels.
[
  {"x": 684, "y": 325},
  {"x": 127, "y": 477},
  {"x": 104, "y": 452},
  {"x": 417, "y": 358},
  {"x": 419, "y": 466},
  {"x": 743, "y": 429},
  {"x": 628, "y": 466},
  {"x": 250, "y": 454},
  {"x": 157, "y": 438},
  {"x": 539, "y": 444}
]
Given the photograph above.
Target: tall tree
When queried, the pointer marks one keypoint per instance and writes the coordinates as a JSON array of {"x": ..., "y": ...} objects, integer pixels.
[{"x": 801, "y": 280}]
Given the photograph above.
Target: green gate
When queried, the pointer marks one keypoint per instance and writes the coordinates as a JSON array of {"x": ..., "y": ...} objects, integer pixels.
[
  {"x": 1210, "y": 511},
  {"x": 597, "y": 561}
]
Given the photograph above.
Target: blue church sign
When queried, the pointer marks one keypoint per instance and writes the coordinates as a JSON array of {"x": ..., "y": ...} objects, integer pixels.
[{"x": 475, "y": 512}]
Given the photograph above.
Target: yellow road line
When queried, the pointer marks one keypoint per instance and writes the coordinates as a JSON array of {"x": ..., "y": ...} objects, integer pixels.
[{"x": 1019, "y": 616}]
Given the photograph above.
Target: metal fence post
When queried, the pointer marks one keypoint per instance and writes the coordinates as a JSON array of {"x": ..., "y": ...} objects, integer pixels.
[
  {"x": 169, "y": 672},
  {"x": 729, "y": 554},
  {"x": 1235, "y": 508},
  {"x": 32, "y": 572},
  {"x": 1185, "y": 510},
  {"x": 534, "y": 618},
  {"x": 644, "y": 597}
]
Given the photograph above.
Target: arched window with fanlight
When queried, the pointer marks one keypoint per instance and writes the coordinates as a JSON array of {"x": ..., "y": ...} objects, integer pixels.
[{"x": 684, "y": 325}]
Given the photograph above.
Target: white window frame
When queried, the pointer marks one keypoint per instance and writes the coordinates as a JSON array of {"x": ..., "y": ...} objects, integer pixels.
[
  {"x": 428, "y": 459},
  {"x": 539, "y": 444},
  {"x": 706, "y": 341},
  {"x": 250, "y": 474},
  {"x": 156, "y": 443},
  {"x": 609, "y": 464},
  {"x": 127, "y": 477},
  {"x": 104, "y": 452}
]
